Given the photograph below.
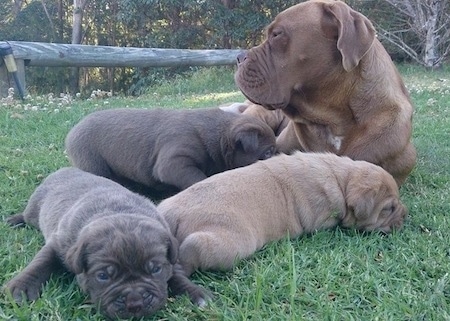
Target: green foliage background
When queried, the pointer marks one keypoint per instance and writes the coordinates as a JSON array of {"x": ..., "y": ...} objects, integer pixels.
[{"x": 193, "y": 24}]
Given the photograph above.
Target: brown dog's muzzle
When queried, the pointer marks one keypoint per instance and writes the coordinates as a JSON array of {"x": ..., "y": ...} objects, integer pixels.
[{"x": 241, "y": 57}]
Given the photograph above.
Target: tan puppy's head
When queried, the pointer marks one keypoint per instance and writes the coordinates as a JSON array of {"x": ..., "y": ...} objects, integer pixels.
[
  {"x": 124, "y": 267},
  {"x": 306, "y": 46},
  {"x": 373, "y": 202}
]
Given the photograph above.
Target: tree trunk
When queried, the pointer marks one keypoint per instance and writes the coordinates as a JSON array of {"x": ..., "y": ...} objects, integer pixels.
[
  {"x": 429, "y": 22},
  {"x": 77, "y": 37},
  {"x": 431, "y": 51}
]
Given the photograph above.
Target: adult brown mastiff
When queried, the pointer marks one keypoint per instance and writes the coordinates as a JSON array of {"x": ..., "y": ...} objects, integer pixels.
[
  {"x": 119, "y": 247},
  {"x": 322, "y": 64},
  {"x": 231, "y": 215},
  {"x": 164, "y": 150}
]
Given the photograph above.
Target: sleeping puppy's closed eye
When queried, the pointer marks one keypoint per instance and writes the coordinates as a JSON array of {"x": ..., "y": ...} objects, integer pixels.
[{"x": 166, "y": 150}]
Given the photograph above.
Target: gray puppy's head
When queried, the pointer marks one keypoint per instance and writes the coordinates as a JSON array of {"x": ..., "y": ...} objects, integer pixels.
[
  {"x": 124, "y": 266},
  {"x": 248, "y": 141}
]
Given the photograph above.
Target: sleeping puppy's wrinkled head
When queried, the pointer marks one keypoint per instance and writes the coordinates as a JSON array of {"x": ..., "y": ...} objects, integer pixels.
[
  {"x": 373, "y": 201},
  {"x": 248, "y": 141},
  {"x": 124, "y": 267}
]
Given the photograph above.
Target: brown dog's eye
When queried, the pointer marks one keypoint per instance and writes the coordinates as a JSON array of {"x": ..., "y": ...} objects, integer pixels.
[{"x": 276, "y": 33}]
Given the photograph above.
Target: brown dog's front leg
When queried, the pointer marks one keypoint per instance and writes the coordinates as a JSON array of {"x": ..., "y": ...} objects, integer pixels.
[
  {"x": 180, "y": 284},
  {"x": 27, "y": 285}
]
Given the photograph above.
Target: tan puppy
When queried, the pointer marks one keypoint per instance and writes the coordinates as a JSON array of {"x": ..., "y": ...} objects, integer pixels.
[
  {"x": 119, "y": 247},
  {"x": 231, "y": 215},
  {"x": 323, "y": 66},
  {"x": 164, "y": 151}
]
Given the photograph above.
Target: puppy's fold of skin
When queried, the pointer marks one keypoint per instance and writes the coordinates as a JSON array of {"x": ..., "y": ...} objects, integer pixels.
[
  {"x": 115, "y": 242},
  {"x": 323, "y": 66},
  {"x": 166, "y": 150},
  {"x": 231, "y": 215},
  {"x": 276, "y": 119}
]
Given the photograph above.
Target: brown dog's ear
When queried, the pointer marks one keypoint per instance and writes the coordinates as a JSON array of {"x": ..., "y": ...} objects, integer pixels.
[
  {"x": 75, "y": 257},
  {"x": 172, "y": 252},
  {"x": 355, "y": 33}
]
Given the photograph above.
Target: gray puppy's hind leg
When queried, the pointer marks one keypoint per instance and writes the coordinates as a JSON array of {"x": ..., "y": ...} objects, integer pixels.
[
  {"x": 180, "y": 284},
  {"x": 16, "y": 220},
  {"x": 28, "y": 283}
]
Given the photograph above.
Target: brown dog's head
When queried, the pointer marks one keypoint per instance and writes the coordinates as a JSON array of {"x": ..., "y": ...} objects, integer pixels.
[
  {"x": 307, "y": 46},
  {"x": 247, "y": 141},
  {"x": 124, "y": 265},
  {"x": 373, "y": 202}
]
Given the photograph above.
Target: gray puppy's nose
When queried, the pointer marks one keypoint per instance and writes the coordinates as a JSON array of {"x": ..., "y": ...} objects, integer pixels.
[{"x": 134, "y": 302}]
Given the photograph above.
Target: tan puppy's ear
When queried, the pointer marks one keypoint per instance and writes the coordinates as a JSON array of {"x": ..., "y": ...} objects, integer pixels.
[
  {"x": 172, "y": 252},
  {"x": 355, "y": 33},
  {"x": 362, "y": 202},
  {"x": 361, "y": 195}
]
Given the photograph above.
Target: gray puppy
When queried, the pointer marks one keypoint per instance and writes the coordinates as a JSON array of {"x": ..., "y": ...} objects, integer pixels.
[
  {"x": 119, "y": 247},
  {"x": 166, "y": 150}
]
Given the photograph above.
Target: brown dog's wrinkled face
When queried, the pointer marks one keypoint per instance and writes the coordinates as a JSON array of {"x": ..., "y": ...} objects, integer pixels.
[
  {"x": 373, "y": 202},
  {"x": 252, "y": 140},
  {"x": 306, "y": 46},
  {"x": 126, "y": 270}
]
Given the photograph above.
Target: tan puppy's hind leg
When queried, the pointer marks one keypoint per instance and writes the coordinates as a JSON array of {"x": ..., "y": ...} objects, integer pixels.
[{"x": 208, "y": 250}]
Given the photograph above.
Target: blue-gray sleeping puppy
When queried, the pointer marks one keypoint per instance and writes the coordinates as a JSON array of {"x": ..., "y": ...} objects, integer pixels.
[
  {"x": 160, "y": 151},
  {"x": 119, "y": 247}
]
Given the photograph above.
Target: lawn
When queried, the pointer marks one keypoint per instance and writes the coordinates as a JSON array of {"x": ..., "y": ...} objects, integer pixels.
[{"x": 329, "y": 275}]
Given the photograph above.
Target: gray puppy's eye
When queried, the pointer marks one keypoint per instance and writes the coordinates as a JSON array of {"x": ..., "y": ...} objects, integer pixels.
[
  {"x": 154, "y": 268},
  {"x": 102, "y": 276},
  {"x": 267, "y": 154}
]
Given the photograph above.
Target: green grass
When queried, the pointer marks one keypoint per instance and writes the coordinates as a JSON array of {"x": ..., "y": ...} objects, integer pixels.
[{"x": 330, "y": 275}]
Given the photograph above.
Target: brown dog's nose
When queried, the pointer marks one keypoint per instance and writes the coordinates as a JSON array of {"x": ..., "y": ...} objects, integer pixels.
[{"x": 241, "y": 57}]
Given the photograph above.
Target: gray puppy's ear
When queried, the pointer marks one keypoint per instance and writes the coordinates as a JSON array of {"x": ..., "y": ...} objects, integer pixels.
[
  {"x": 248, "y": 139},
  {"x": 172, "y": 251},
  {"x": 75, "y": 257}
]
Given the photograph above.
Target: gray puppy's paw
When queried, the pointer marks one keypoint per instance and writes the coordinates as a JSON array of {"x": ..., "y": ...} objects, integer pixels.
[
  {"x": 179, "y": 284},
  {"x": 21, "y": 290}
]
